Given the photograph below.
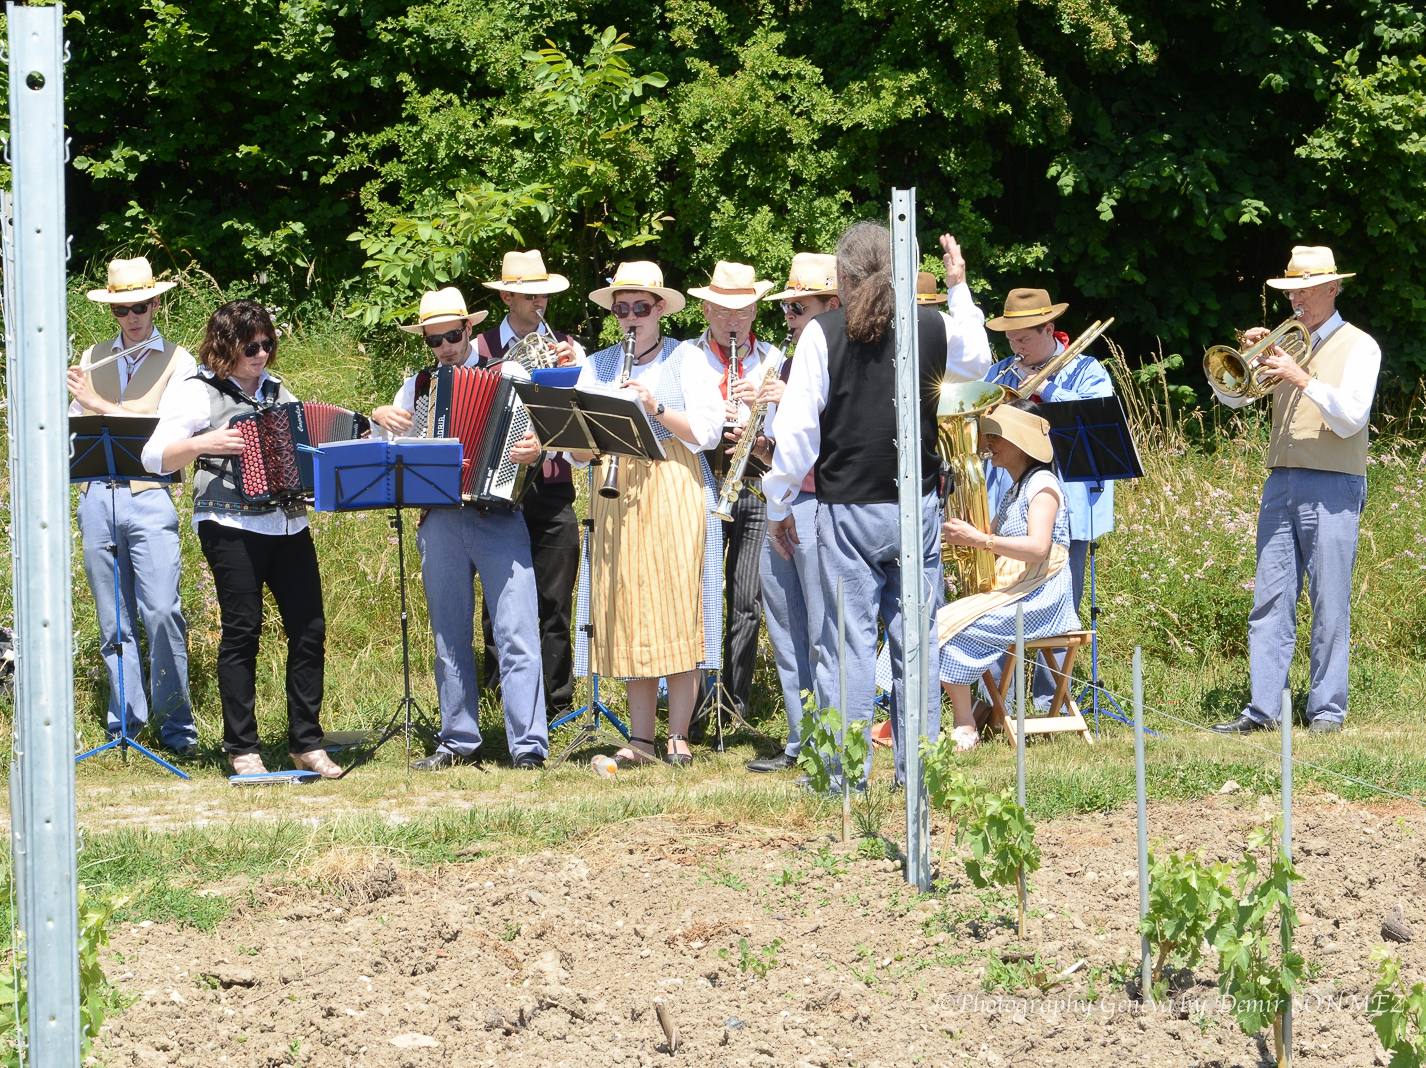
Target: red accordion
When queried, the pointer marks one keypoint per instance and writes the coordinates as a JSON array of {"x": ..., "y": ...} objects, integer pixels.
[
  {"x": 276, "y": 462},
  {"x": 481, "y": 409}
]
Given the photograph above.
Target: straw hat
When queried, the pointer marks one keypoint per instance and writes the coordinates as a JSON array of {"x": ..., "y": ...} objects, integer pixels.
[
  {"x": 443, "y": 306},
  {"x": 644, "y": 276},
  {"x": 1025, "y": 308},
  {"x": 524, "y": 272},
  {"x": 927, "y": 289},
  {"x": 733, "y": 286},
  {"x": 130, "y": 282},
  {"x": 1029, "y": 433},
  {"x": 813, "y": 274},
  {"x": 1311, "y": 265}
]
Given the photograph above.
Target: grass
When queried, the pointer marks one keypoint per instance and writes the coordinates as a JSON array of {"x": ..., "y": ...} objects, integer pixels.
[{"x": 1174, "y": 578}]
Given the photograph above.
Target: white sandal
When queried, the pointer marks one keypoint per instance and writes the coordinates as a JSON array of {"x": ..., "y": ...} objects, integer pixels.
[
  {"x": 316, "y": 760},
  {"x": 246, "y": 764},
  {"x": 966, "y": 738}
]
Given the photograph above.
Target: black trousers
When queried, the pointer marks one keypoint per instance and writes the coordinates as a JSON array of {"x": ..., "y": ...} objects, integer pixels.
[
  {"x": 742, "y": 596},
  {"x": 554, "y": 551},
  {"x": 242, "y": 563}
]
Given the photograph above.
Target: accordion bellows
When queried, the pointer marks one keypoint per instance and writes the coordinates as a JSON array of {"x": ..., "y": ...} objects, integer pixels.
[
  {"x": 481, "y": 410},
  {"x": 276, "y": 462}
]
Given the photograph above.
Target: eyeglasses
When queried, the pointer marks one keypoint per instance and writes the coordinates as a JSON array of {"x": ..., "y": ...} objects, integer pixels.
[
  {"x": 794, "y": 307},
  {"x": 640, "y": 309},
  {"x": 450, "y": 337},
  {"x": 121, "y": 310},
  {"x": 252, "y": 347}
]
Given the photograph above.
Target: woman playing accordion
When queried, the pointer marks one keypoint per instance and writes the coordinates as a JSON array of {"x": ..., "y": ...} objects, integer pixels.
[
  {"x": 651, "y": 546},
  {"x": 1030, "y": 537}
]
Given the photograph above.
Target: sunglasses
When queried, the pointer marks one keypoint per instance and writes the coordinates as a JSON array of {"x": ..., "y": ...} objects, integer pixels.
[
  {"x": 450, "y": 337},
  {"x": 121, "y": 310},
  {"x": 794, "y": 307},
  {"x": 640, "y": 309},
  {"x": 266, "y": 345}
]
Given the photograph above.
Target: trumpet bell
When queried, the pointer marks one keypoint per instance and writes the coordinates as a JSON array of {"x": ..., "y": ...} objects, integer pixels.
[{"x": 1238, "y": 374}]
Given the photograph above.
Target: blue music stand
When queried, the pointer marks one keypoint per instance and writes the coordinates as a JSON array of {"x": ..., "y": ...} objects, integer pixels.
[
  {"x": 1093, "y": 445},
  {"x": 363, "y": 475},
  {"x": 109, "y": 449}
]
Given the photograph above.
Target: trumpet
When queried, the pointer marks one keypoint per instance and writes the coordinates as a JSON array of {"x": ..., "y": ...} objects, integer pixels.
[
  {"x": 1236, "y": 373},
  {"x": 734, "y": 480},
  {"x": 1055, "y": 364},
  {"x": 958, "y": 442},
  {"x": 610, "y": 489}
]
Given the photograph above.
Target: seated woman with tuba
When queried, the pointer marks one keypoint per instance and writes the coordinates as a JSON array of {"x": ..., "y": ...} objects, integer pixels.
[{"x": 1030, "y": 540}]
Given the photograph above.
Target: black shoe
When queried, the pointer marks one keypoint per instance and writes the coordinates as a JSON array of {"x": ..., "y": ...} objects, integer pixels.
[
  {"x": 781, "y": 762},
  {"x": 529, "y": 762},
  {"x": 441, "y": 759},
  {"x": 1244, "y": 724},
  {"x": 1323, "y": 725}
]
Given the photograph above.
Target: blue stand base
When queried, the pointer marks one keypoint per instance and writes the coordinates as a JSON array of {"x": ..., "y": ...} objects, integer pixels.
[{"x": 124, "y": 743}]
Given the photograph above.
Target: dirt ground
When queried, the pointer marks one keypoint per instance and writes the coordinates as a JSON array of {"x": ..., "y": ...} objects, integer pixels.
[{"x": 762, "y": 950}]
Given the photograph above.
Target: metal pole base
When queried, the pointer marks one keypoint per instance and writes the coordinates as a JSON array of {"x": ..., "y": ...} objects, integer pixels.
[
  {"x": 592, "y": 730},
  {"x": 124, "y": 743},
  {"x": 715, "y": 703}
]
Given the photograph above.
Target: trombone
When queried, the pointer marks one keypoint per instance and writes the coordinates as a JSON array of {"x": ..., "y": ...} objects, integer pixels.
[
  {"x": 1055, "y": 364},
  {"x": 1236, "y": 373}
]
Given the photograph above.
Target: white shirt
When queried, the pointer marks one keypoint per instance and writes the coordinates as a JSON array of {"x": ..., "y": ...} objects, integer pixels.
[
  {"x": 968, "y": 354},
  {"x": 405, "y": 398},
  {"x": 508, "y": 337},
  {"x": 753, "y": 366},
  {"x": 702, "y": 402},
  {"x": 1345, "y": 407},
  {"x": 185, "y": 411},
  {"x": 184, "y": 366}
]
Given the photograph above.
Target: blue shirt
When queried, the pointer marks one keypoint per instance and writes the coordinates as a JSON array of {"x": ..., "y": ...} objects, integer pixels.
[{"x": 1083, "y": 377}]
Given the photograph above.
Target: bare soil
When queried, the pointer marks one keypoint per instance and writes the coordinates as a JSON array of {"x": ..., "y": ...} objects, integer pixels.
[{"x": 762, "y": 950}]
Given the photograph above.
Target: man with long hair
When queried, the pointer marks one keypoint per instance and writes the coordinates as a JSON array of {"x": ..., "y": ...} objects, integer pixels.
[{"x": 838, "y": 419}]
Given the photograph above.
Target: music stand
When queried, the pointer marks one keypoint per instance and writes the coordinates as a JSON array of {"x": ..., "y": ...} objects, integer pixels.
[
  {"x": 363, "y": 475},
  {"x": 1093, "y": 445},
  {"x": 109, "y": 449}
]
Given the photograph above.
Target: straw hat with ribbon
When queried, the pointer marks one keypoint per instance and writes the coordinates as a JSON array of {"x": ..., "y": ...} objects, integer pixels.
[
  {"x": 524, "y": 272},
  {"x": 928, "y": 289},
  {"x": 1029, "y": 433},
  {"x": 443, "y": 306},
  {"x": 641, "y": 275},
  {"x": 1025, "y": 308},
  {"x": 130, "y": 282},
  {"x": 1311, "y": 265},
  {"x": 813, "y": 274},
  {"x": 733, "y": 286}
]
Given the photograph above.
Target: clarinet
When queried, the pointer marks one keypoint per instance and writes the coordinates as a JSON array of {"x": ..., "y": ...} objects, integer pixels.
[
  {"x": 735, "y": 481},
  {"x": 610, "y": 489}
]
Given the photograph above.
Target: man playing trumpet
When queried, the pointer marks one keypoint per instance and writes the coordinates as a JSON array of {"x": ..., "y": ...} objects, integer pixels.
[{"x": 1313, "y": 498}]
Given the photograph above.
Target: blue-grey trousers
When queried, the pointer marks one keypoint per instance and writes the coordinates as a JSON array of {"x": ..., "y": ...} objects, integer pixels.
[
  {"x": 144, "y": 526},
  {"x": 1307, "y": 525},
  {"x": 457, "y": 545},
  {"x": 861, "y": 545},
  {"x": 792, "y": 607}
]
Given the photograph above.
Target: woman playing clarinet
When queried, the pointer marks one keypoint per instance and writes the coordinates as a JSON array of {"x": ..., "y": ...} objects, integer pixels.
[
  {"x": 248, "y": 545},
  {"x": 650, "y": 546}
]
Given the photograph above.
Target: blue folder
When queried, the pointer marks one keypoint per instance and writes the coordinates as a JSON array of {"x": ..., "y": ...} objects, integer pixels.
[
  {"x": 354, "y": 475},
  {"x": 555, "y": 376}
]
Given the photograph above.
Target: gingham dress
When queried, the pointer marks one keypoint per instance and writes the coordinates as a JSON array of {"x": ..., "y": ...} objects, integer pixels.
[
  {"x": 608, "y": 364},
  {"x": 1048, "y": 609}
]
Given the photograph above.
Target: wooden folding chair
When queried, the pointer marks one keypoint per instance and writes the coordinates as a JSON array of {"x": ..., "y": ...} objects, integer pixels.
[{"x": 1064, "y": 714}]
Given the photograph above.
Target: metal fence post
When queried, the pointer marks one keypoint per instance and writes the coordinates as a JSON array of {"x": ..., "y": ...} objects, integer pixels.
[
  {"x": 905, "y": 262},
  {"x": 36, "y": 355},
  {"x": 1285, "y": 728},
  {"x": 1141, "y": 810}
]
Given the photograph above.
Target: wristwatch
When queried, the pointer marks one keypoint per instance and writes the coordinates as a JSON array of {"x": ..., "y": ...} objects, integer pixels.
[
  {"x": 659, "y": 410},
  {"x": 990, "y": 544}
]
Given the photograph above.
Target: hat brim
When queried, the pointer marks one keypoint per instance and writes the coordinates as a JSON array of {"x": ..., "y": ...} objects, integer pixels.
[
  {"x": 799, "y": 294},
  {"x": 732, "y": 301},
  {"x": 924, "y": 299},
  {"x": 131, "y": 296},
  {"x": 473, "y": 319},
  {"x": 672, "y": 297},
  {"x": 1035, "y": 446},
  {"x": 1025, "y": 322},
  {"x": 555, "y": 283},
  {"x": 1308, "y": 283}
]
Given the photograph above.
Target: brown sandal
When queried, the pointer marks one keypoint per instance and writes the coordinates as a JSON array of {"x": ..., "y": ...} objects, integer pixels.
[{"x": 678, "y": 760}]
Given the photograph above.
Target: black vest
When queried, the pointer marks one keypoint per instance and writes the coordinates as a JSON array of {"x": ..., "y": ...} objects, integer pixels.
[{"x": 857, "y": 462}]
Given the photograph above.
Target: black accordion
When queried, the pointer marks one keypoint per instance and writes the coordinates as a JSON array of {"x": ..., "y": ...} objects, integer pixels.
[
  {"x": 480, "y": 409},
  {"x": 276, "y": 462}
]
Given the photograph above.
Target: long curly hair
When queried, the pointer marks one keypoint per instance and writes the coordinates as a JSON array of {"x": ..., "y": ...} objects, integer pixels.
[
  {"x": 232, "y": 327},
  {"x": 864, "y": 276}
]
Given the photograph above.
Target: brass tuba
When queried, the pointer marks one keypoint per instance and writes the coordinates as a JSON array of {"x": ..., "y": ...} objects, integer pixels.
[
  {"x": 958, "y": 442},
  {"x": 1237, "y": 373}
]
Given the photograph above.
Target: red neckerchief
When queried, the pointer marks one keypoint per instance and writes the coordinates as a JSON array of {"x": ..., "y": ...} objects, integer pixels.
[{"x": 748, "y": 349}]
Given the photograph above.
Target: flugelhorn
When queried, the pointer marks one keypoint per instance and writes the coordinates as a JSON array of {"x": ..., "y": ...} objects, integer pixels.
[
  {"x": 1236, "y": 373},
  {"x": 958, "y": 442},
  {"x": 610, "y": 488},
  {"x": 733, "y": 481},
  {"x": 1055, "y": 364}
]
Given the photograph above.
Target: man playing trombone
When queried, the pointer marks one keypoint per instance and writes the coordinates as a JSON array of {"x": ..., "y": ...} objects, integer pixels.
[{"x": 1313, "y": 497}]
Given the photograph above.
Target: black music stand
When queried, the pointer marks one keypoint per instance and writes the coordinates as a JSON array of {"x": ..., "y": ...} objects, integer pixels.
[
  {"x": 109, "y": 449},
  {"x": 1094, "y": 445},
  {"x": 364, "y": 475}
]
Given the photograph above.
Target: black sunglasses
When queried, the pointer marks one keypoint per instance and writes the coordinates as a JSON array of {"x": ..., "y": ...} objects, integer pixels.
[
  {"x": 121, "y": 310},
  {"x": 796, "y": 307},
  {"x": 450, "y": 337},
  {"x": 266, "y": 345},
  {"x": 641, "y": 309}
]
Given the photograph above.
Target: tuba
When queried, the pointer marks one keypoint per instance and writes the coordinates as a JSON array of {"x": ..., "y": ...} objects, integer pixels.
[
  {"x": 958, "y": 442},
  {"x": 1236, "y": 373}
]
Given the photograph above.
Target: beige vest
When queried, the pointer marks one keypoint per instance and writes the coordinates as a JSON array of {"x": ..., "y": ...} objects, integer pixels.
[
  {"x": 1300, "y": 436},
  {"x": 146, "y": 388}
]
